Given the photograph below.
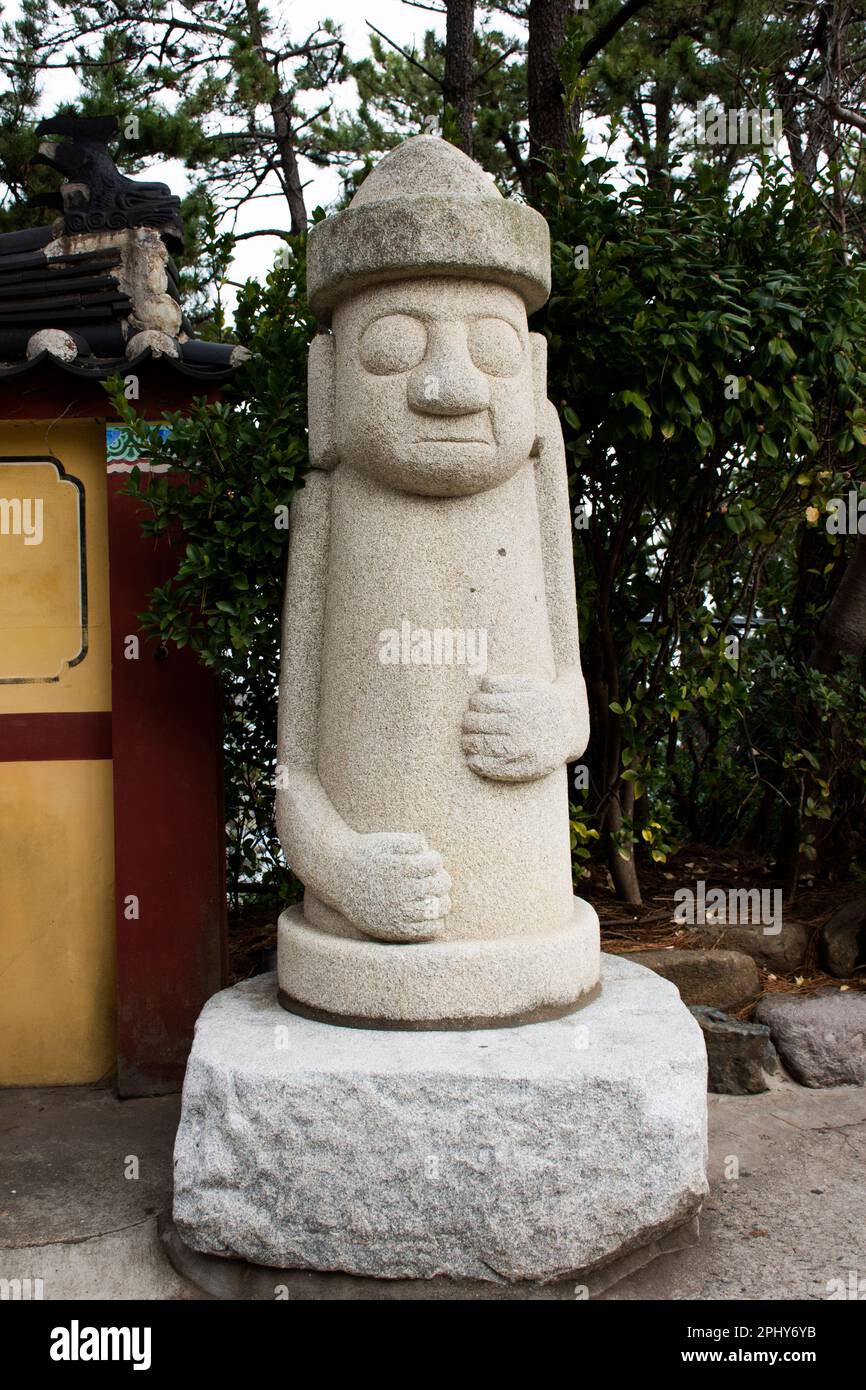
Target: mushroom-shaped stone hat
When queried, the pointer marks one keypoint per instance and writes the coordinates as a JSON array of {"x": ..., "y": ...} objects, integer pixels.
[{"x": 428, "y": 209}]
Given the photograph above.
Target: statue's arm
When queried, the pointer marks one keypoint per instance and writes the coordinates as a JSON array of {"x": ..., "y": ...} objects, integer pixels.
[
  {"x": 554, "y": 513},
  {"x": 519, "y": 728},
  {"x": 391, "y": 885},
  {"x": 316, "y": 840}
]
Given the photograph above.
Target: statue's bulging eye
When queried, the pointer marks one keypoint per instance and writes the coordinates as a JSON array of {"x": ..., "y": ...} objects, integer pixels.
[
  {"x": 393, "y": 343},
  {"x": 495, "y": 347}
]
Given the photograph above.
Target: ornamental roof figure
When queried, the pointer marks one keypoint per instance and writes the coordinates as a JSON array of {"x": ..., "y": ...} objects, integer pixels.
[
  {"x": 96, "y": 197},
  {"x": 97, "y": 291},
  {"x": 428, "y": 209}
]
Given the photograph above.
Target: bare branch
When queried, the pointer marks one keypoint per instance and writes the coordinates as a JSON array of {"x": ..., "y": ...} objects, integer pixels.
[
  {"x": 603, "y": 36},
  {"x": 496, "y": 61},
  {"x": 264, "y": 231},
  {"x": 846, "y": 117},
  {"x": 410, "y": 58}
]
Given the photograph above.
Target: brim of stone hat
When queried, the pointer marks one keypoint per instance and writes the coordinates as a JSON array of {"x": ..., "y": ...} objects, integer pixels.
[{"x": 428, "y": 234}]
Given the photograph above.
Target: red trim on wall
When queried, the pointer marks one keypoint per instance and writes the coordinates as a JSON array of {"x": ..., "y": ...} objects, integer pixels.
[
  {"x": 53, "y": 738},
  {"x": 47, "y": 393},
  {"x": 168, "y": 822}
]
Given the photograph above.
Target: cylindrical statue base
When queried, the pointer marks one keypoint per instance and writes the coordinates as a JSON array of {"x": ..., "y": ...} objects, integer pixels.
[{"x": 488, "y": 983}]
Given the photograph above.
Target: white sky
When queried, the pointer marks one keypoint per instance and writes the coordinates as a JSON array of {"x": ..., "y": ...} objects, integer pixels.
[
  {"x": 406, "y": 25},
  {"x": 403, "y": 23}
]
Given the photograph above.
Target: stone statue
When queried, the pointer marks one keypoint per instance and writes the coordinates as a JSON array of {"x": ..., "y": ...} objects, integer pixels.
[
  {"x": 430, "y": 699},
  {"x": 431, "y": 692}
]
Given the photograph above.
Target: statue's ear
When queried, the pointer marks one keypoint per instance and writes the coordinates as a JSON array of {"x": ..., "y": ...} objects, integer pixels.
[
  {"x": 538, "y": 347},
  {"x": 321, "y": 400}
]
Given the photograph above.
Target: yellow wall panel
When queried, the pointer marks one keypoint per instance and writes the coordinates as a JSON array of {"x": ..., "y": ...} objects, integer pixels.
[
  {"x": 57, "y": 931},
  {"x": 57, "y": 949},
  {"x": 40, "y": 617}
]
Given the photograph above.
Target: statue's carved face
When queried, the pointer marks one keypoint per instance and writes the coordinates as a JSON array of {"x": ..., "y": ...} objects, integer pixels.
[{"x": 434, "y": 388}]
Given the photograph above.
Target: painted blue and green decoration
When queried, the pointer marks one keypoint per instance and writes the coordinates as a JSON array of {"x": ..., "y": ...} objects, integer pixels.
[{"x": 123, "y": 450}]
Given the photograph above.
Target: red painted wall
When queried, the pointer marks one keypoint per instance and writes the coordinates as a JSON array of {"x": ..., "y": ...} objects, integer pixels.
[{"x": 168, "y": 823}]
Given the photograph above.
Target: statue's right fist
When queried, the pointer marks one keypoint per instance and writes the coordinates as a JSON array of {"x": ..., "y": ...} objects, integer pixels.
[{"x": 396, "y": 888}]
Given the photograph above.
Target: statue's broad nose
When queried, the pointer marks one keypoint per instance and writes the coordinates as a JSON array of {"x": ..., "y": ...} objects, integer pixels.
[{"x": 446, "y": 381}]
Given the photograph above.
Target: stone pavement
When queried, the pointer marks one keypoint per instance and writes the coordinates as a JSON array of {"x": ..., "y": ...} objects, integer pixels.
[{"x": 784, "y": 1218}]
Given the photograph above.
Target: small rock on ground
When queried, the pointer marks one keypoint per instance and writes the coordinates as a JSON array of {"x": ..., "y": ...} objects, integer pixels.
[
  {"x": 820, "y": 1038},
  {"x": 723, "y": 979},
  {"x": 842, "y": 944},
  {"x": 740, "y": 1055},
  {"x": 780, "y": 951}
]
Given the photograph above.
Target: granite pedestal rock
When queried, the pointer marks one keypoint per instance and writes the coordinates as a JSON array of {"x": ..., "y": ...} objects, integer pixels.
[
  {"x": 501, "y": 1155},
  {"x": 431, "y": 697}
]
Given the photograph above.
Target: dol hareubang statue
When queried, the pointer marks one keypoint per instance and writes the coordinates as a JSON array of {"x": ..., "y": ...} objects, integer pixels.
[
  {"x": 431, "y": 697},
  {"x": 424, "y": 797}
]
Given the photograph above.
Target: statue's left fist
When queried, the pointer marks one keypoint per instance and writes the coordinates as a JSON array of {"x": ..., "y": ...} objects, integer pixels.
[{"x": 517, "y": 728}]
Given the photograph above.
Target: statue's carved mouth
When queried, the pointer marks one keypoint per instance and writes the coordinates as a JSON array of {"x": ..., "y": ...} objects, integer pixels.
[{"x": 427, "y": 440}]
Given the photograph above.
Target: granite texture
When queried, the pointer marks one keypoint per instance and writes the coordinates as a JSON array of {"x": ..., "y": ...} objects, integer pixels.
[
  {"x": 428, "y": 209},
  {"x": 503, "y": 1155},
  {"x": 431, "y": 689},
  {"x": 437, "y": 984}
]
